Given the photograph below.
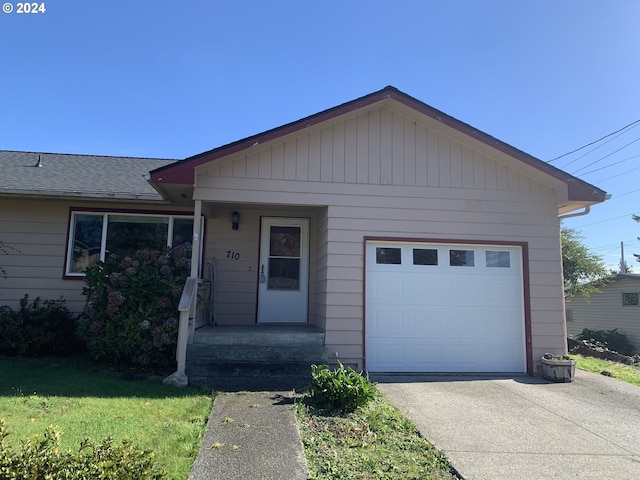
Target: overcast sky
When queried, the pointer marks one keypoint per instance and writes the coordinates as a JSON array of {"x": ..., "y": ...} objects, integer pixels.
[{"x": 171, "y": 79}]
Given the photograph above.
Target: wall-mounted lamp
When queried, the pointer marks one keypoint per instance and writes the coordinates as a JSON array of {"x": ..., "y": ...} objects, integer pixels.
[{"x": 235, "y": 220}]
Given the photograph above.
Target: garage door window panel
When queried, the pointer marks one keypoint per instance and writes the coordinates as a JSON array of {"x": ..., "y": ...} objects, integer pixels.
[
  {"x": 461, "y": 258},
  {"x": 425, "y": 256},
  {"x": 498, "y": 259},
  {"x": 388, "y": 256}
]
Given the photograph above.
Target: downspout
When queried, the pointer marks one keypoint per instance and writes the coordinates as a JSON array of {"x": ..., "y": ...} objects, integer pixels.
[{"x": 586, "y": 210}]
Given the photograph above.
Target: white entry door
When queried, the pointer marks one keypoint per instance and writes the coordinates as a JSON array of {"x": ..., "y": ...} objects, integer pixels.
[{"x": 284, "y": 270}]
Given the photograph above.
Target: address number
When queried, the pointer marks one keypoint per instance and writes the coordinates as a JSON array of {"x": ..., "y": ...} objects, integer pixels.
[{"x": 231, "y": 255}]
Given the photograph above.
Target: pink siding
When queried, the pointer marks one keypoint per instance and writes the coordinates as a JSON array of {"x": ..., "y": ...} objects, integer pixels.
[
  {"x": 38, "y": 230},
  {"x": 387, "y": 173}
]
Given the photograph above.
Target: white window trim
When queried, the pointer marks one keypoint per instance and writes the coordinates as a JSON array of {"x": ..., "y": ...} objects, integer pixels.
[{"x": 103, "y": 242}]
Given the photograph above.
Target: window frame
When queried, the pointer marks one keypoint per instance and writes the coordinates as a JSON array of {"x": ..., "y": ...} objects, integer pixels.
[
  {"x": 636, "y": 304},
  {"x": 105, "y": 213}
]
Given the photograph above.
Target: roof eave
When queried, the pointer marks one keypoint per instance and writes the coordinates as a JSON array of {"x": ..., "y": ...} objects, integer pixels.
[
  {"x": 182, "y": 172},
  {"x": 86, "y": 195}
]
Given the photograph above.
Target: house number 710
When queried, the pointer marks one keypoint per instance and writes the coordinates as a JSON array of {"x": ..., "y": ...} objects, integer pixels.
[{"x": 233, "y": 255}]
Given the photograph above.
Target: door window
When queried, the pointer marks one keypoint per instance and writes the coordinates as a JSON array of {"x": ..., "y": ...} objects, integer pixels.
[{"x": 284, "y": 258}]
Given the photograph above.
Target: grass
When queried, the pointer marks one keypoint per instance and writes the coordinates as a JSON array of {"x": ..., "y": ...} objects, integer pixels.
[
  {"x": 86, "y": 401},
  {"x": 375, "y": 442},
  {"x": 626, "y": 373}
]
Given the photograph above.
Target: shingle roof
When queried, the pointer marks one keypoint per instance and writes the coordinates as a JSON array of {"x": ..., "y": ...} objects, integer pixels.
[{"x": 90, "y": 176}]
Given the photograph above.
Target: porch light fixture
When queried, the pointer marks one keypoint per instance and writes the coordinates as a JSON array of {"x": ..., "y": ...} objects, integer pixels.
[{"x": 235, "y": 220}]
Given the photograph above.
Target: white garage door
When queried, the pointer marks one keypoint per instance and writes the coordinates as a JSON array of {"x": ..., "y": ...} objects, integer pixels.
[{"x": 444, "y": 308}]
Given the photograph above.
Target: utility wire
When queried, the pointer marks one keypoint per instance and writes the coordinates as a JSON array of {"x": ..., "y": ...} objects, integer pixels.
[
  {"x": 592, "y": 143},
  {"x": 625, "y": 194},
  {"x": 596, "y": 148},
  {"x": 610, "y": 165},
  {"x": 609, "y": 219},
  {"x": 608, "y": 155},
  {"x": 615, "y": 176}
]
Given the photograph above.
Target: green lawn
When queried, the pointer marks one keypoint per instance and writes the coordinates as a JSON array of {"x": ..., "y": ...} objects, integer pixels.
[
  {"x": 626, "y": 373},
  {"x": 86, "y": 401},
  {"x": 376, "y": 442}
]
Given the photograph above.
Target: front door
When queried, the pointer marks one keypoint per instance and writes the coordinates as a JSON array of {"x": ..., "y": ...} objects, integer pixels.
[{"x": 283, "y": 270}]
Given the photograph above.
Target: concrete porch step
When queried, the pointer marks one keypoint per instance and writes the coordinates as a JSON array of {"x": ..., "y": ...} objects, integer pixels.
[
  {"x": 254, "y": 357},
  {"x": 264, "y": 335},
  {"x": 202, "y": 352}
]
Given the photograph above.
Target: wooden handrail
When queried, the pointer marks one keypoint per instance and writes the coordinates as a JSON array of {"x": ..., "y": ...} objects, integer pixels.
[
  {"x": 186, "y": 301},
  {"x": 187, "y": 294}
]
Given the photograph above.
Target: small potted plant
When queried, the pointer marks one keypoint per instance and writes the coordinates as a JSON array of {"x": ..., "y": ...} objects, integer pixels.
[{"x": 558, "y": 368}]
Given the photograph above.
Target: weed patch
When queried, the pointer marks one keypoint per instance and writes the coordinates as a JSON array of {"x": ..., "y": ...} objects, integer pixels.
[{"x": 373, "y": 442}]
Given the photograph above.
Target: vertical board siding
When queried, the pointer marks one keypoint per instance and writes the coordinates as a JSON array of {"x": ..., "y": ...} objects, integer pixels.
[
  {"x": 375, "y": 157},
  {"x": 397, "y": 150},
  {"x": 350, "y": 152},
  {"x": 435, "y": 187},
  {"x": 338, "y": 157},
  {"x": 326, "y": 155},
  {"x": 362, "y": 149},
  {"x": 379, "y": 147},
  {"x": 409, "y": 153},
  {"x": 315, "y": 155}
]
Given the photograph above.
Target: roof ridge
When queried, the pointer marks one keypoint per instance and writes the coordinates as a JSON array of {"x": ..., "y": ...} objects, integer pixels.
[{"x": 88, "y": 155}]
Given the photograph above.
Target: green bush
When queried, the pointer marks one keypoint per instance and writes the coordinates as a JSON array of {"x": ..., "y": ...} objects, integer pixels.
[
  {"x": 41, "y": 459},
  {"x": 342, "y": 389},
  {"x": 38, "y": 328},
  {"x": 131, "y": 311},
  {"x": 607, "y": 340}
]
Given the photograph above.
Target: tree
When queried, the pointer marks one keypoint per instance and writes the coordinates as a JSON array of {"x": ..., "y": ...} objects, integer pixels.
[{"x": 584, "y": 272}]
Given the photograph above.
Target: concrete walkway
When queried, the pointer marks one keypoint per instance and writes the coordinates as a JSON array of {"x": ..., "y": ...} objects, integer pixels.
[
  {"x": 526, "y": 428},
  {"x": 252, "y": 436}
]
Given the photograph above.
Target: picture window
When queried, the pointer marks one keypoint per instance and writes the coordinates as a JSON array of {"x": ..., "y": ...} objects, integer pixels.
[{"x": 94, "y": 236}]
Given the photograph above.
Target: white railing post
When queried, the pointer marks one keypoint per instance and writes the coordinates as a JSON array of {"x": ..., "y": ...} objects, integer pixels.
[
  {"x": 187, "y": 302},
  {"x": 189, "y": 292}
]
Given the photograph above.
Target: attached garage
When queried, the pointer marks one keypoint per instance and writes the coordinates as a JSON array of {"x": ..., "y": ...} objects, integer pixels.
[{"x": 436, "y": 307}]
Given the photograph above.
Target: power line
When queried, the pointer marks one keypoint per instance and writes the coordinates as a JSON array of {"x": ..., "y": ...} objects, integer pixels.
[
  {"x": 609, "y": 219},
  {"x": 596, "y": 148},
  {"x": 625, "y": 194},
  {"x": 610, "y": 165},
  {"x": 592, "y": 143},
  {"x": 615, "y": 176},
  {"x": 608, "y": 155}
]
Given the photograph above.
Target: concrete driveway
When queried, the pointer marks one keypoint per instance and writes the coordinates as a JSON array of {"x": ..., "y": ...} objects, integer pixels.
[{"x": 495, "y": 428}]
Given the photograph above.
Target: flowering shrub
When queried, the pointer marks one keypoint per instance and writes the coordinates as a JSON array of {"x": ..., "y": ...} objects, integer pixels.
[
  {"x": 131, "y": 311},
  {"x": 38, "y": 328}
]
